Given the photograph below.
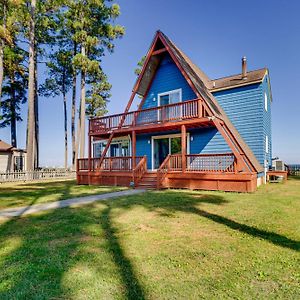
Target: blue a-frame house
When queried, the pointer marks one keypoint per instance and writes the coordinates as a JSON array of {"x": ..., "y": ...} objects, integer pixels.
[{"x": 189, "y": 131}]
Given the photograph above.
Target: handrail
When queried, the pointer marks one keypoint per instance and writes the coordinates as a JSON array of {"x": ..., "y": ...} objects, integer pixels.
[
  {"x": 153, "y": 115},
  {"x": 162, "y": 171},
  {"x": 140, "y": 170},
  {"x": 115, "y": 163}
]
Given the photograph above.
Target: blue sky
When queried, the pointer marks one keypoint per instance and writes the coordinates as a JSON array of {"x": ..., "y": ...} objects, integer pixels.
[{"x": 215, "y": 35}]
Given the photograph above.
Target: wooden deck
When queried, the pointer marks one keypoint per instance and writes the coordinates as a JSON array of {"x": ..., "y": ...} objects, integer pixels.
[
  {"x": 167, "y": 117},
  {"x": 202, "y": 171}
]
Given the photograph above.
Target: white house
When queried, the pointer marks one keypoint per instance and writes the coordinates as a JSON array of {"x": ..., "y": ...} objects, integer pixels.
[{"x": 11, "y": 158}]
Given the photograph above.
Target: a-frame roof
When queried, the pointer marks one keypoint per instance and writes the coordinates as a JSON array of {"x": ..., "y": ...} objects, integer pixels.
[{"x": 198, "y": 81}]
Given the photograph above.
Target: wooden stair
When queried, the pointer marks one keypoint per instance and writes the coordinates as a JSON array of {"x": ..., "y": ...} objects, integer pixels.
[{"x": 149, "y": 181}]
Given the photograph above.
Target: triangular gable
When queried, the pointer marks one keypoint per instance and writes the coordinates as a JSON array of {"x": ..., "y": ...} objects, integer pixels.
[{"x": 200, "y": 84}]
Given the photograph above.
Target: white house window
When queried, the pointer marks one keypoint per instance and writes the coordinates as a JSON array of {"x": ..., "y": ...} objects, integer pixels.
[
  {"x": 267, "y": 144},
  {"x": 169, "y": 97},
  {"x": 266, "y": 102},
  {"x": 118, "y": 147}
]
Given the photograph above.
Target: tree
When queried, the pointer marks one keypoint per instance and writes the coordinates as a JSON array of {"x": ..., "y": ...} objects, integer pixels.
[
  {"x": 14, "y": 93},
  {"x": 94, "y": 33},
  {"x": 139, "y": 67},
  {"x": 39, "y": 27},
  {"x": 59, "y": 81},
  {"x": 97, "y": 96},
  {"x": 8, "y": 30}
]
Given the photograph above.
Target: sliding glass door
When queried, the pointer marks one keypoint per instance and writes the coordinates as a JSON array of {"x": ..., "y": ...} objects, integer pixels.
[{"x": 163, "y": 146}]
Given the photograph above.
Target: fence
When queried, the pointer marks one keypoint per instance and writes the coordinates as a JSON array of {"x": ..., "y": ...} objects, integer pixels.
[{"x": 35, "y": 175}]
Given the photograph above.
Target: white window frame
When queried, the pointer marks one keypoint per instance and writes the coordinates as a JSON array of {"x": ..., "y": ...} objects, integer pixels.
[
  {"x": 169, "y": 93},
  {"x": 118, "y": 139},
  {"x": 157, "y": 137},
  {"x": 267, "y": 144},
  {"x": 159, "y": 95},
  {"x": 266, "y": 101}
]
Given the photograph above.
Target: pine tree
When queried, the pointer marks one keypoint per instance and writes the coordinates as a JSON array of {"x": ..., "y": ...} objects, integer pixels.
[
  {"x": 14, "y": 93},
  {"x": 97, "y": 96},
  {"x": 94, "y": 33},
  {"x": 59, "y": 82},
  {"x": 139, "y": 67}
]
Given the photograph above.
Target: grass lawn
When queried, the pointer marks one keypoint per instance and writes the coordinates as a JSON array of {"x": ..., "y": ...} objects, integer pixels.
[
  {"x": 21, "y": 194},
  {"x": 159, "y": 245}
]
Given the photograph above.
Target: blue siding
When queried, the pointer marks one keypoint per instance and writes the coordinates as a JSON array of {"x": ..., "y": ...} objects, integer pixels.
[
  {"x": 207, "y": 140},
  {"x": 245, "y": 108},
  {"x": 168, "y": 77},
  {"x": 143, "y": 147},
  {"x": 267, "y": 129}
]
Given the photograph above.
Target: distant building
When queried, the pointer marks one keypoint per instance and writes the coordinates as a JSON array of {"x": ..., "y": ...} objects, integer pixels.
[{"x": 11, "y": 158}]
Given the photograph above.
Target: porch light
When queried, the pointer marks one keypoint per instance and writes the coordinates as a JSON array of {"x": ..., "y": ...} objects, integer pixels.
[
  {"x": 192, "y": 138},
  {"x": 149, "y": 142}
]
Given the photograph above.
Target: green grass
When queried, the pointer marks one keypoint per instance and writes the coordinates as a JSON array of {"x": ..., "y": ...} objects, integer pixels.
[
  {"x": 22, "y": 194},
  {"x": 159, "y": 245}
]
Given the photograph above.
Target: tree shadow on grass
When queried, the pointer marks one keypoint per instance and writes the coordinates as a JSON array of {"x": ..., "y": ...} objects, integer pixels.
[
  {"x": 133, "y": 289},
  {"x": 168, "y": 205},
  {"x": 52, "y": 245}
]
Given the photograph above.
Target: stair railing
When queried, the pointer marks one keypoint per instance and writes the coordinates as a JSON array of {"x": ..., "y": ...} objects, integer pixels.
[
  {"x": 140, "y": 170},
  {"x": 162, "y": 171}
]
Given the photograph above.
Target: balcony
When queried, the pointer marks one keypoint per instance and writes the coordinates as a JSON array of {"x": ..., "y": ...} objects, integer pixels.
[{"x": 167, "y": 117}]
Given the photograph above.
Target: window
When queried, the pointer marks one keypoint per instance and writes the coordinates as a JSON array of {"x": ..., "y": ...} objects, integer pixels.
[
  {"x": 19, "y": 163},
  {"x": 119, "y": 147},
  {"x": 267, "y": 144},
  {"x": 169, "y": 97},
  {"x": 266, "y": 102}
]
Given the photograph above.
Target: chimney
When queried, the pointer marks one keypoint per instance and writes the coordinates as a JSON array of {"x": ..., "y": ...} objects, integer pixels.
[{"x": 244, "y": 67}]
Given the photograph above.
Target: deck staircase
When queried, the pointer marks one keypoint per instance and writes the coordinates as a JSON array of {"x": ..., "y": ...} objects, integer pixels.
[{"x": 149, "y": 181}]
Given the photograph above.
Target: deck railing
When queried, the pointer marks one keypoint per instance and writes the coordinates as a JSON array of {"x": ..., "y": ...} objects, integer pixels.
[
  {"x": 117, "y": 163},
  {"x": 156, "y": 115},
  {"x": 140, "y": 170},
  {"x": 224, "y": 162},
  {"x": 209, "y": 163}
]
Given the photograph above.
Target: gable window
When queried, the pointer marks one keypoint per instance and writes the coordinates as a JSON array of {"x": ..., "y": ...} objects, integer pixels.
[
  {"x": 266, "y": 102},
  {"x": 267, "y": 144},
  {"x": 169, "y": 97}
]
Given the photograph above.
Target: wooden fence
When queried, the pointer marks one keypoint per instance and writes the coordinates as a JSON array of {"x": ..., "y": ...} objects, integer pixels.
[{"x": 35, "y": 175}]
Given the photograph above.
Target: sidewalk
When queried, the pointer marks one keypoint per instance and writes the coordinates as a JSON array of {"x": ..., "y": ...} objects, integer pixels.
[{"x": 25, "y": 210}]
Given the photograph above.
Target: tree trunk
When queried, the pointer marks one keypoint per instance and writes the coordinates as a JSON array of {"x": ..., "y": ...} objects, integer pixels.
[
  {"x": 82, "y": 110},
  {"x": 36, "y": 115},
  {"x": 13, "y": 125},
  {"x": 31, "y": 91},
  {"x": 65, "y": 125},
  {"x": 74, "y": 156},
  {"x": 2, "y": 56},
  {"x": 1, "y": 69}
]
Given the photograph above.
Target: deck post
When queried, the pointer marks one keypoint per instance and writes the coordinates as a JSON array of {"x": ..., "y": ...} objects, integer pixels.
[
  {"x": 89, "y": 159},
  {"x": 133, "y": 140},
  {"x": 200, "y": 108},
  {"x": 183, "y": 147}
]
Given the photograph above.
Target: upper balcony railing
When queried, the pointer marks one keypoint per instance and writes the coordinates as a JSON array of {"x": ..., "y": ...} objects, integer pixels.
[{"x": 156, "y": 115}]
